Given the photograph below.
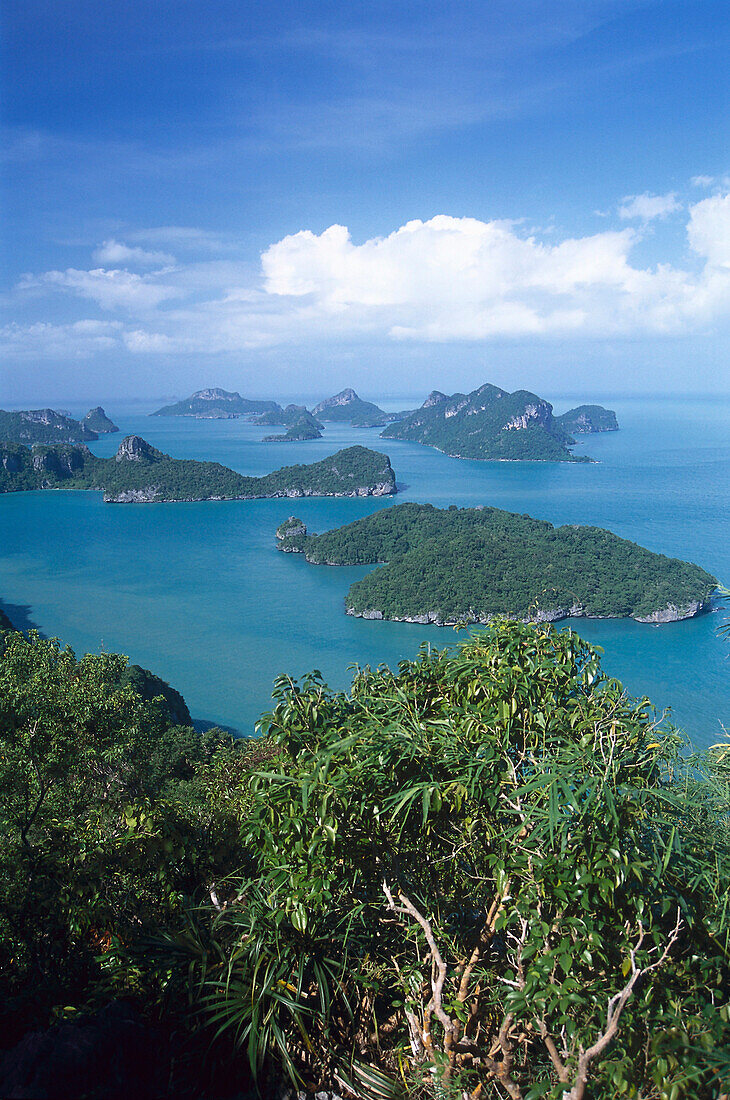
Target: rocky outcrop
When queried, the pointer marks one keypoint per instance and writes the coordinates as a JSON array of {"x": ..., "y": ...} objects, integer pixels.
[
  {"x": 672, "y": 613},
  {"x": 344, "y": 397},
  {"x": 135, "y": 449},
  {"x": 434, "y": 398},
  {"x": 134, "y": 496},
  {"x": 97, "y": 420},
  {"x": 538, "y": 413},
  {"x": 291, "y": 528}
]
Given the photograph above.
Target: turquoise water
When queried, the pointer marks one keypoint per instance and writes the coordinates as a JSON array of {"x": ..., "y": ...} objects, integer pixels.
[{"x": 199, "y": 594}]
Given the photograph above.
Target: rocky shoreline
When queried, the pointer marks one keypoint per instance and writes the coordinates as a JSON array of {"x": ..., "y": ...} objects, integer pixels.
[{"x": 669, "y": 614}]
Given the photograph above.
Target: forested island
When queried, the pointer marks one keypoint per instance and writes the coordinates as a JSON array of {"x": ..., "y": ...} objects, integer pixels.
[
  {"x": 472, "y": 564},
  {"x": 139, "y": 473},
  {"x": 587, "y": 419},
  {"x": 217, "y": 404},
  {"x": 303, "y": 429},
  {"x": 43, "y": 426},
  {"x": 490, "y": 423},
  {"x": 347, "y": 406},
  {"x": 289, "y": 416}
]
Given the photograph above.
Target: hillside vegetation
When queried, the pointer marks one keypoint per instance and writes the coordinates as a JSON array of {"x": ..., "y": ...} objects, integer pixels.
[
  {"x": 490, "y": 423},
  {"x": 487, "y": 873},
  {"x": 215, "y": 404},
  {"x": 470, "y": 564},
  {"x": 43, "y": 426},
  {"x": 139, "y": 473}
]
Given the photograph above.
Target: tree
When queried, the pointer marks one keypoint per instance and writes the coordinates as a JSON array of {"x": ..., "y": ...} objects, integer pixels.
[
  {"x": 109, "y": 817},
  {"x": 490, "y": 873}
]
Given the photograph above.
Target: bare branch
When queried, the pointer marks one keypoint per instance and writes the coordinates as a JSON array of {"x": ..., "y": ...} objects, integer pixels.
[
  {"x": 438, "y": 975},
  {"x": 615, "y": 1008}
]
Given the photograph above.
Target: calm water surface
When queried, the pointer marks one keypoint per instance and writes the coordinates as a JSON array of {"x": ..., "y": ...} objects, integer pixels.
[{"x": 199, "y": 594}]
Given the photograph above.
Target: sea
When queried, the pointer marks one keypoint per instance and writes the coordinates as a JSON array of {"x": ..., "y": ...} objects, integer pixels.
[{"x": 198, "y": 593}]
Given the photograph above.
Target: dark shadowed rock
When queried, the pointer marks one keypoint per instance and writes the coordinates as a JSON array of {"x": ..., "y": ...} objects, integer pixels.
[{"x": 111, "y": 1055}]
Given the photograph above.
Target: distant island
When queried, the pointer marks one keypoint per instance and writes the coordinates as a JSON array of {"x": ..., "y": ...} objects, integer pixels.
[
  {"x": 587, "y": 419},
  {"x": 298, "y": 421},
  {"x": 43, "y": 426},
  {"x": 471, "y": 564},
  {"x": 140, "y": 474},
  {"x": 347, "y": 406},
  {"x": 97, "y": 420},
  {"x": 304, "y": 428},
  {"x": 288, "y": 417},
  {"x": 217, "y": 404},
  {"x": 490, "y": 423}
]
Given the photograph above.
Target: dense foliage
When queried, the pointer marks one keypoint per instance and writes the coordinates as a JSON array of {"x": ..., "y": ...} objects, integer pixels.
[
  {"x": 488, "y": 423},
  {"x": 110, "y": 817},
  {"x": 42, "y": 426},
  {"x": 588, "y": 418},
  {"x": 468, "y": 564},
  {"x": 151, "y": 475},
  {"x": 488, "y": 873}
]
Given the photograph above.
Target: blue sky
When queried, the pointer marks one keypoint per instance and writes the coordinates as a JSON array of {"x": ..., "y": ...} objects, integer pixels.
[{"x": 290, "y": 197}]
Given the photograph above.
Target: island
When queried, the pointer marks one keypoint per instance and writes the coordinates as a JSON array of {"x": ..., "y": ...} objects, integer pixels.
[
  {"x": 305, "y": 428},
  {"x": 347, "y": 406},
  {"x": 217, "y": 404},
  {"x": 489, "y": 423},
  {"x": 292, "y": 414},
  {"x": 449, "y": 566},
  {"x": 587, "y": 419},
  {"x": 140, "y": 474},
  {"x": 98, "y": 421},
  {"x": 43, "y": 426}
]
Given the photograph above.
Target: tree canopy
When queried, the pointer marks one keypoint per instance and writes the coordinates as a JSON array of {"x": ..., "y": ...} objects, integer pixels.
[{"x": 488, "y": 873}]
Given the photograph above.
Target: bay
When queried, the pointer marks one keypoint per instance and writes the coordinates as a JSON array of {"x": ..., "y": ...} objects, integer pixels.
[{"x": 199, "y": 594}]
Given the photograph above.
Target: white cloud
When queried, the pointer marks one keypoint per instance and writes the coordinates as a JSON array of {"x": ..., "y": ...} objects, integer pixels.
[
  {"x": 78, "y": 340},
  {"x": 184, "y": 237},
  {"x": 111, "y": 289},
  {"x": 702, "y": 181},
  {"x": 115, "y": 253},
  {"x": 647, "y": 207},
  {"x": 447, "y": 279},
  {"x": 459, "y": 278},
  {"x": 708, "y": 231}
]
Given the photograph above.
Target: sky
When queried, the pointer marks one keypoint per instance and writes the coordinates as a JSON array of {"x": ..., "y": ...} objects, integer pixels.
[{"x": 288, "y": 197}]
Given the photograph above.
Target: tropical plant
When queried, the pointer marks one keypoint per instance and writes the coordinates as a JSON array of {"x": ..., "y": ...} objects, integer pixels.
[{"x": 489, "y": 873}]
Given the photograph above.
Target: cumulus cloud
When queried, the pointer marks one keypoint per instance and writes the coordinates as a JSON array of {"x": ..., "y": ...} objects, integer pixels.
[
  {"x": 460, "y": 278},
  {"x": 647, "y": 207},
  {"x": 116, "y": 253},
  {"x": 442, "y": 280},
  {"x": 708, "y": 231}
]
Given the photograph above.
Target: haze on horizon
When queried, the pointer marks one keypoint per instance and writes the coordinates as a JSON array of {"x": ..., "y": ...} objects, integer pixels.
[{"x": 293, "y": 197}]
